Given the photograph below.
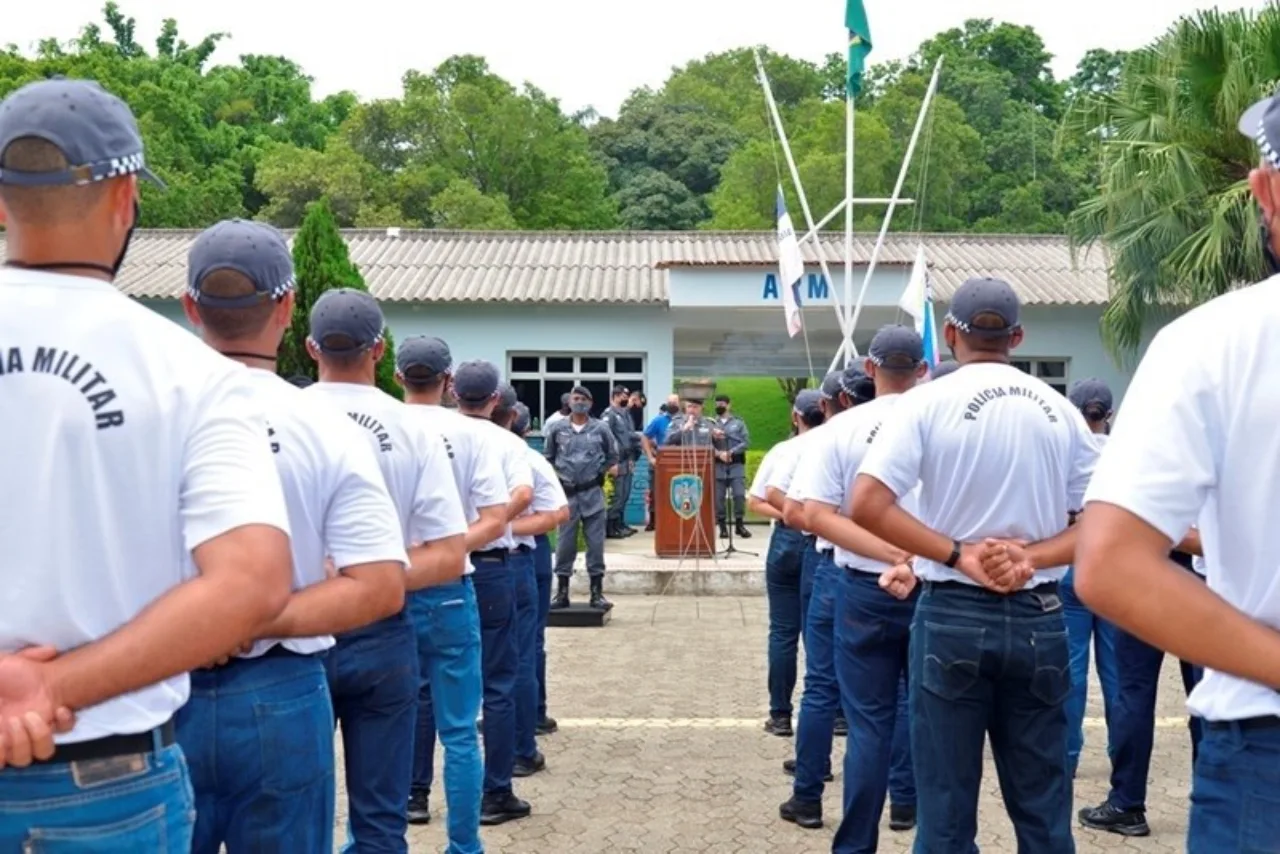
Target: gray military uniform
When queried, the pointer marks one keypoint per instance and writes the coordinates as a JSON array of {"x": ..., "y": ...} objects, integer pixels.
[
  {"x": 620, "y": 425},
  {"x": 580, "y": 459},
  {"x": 733, "y": 474},
  {"x": 700, "y": 436}
]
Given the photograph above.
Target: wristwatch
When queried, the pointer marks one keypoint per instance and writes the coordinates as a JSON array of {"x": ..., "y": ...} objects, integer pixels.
[{"x": 955, "y": 555}]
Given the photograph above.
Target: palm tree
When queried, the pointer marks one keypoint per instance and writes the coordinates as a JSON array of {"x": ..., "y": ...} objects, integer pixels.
[{"x": 1172, "y": 208}]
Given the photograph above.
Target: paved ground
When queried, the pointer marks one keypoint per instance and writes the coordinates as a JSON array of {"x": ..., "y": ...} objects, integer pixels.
[{"x": 660, "y": 748}]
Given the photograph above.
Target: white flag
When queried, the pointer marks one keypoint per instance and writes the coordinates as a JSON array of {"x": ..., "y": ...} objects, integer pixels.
[
  {"x": 916, "y": 293},
  {"x": 790, "y": 268}
]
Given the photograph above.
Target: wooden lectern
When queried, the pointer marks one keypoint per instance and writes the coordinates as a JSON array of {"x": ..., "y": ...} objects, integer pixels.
[{"x": 683, "y": 502}]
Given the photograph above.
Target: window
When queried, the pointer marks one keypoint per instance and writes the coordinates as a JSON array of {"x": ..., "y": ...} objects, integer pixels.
[
  {"x": 540, "y": 379},
  {"x": 1052, "y": 371}
]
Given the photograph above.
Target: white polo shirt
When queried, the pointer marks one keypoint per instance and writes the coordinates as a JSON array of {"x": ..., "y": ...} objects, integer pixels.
[
  {"x": 477, "y": 469},
  {"x": 514, "y": 458},
  {"x": 414, "y": 463},
  {"x": 126, "y": 444},
  {"x": 1196, "y": 442},
  {"x": 996, "y": 452},
  {"x": 338, "y": 503},
  {"x": 831, "y": 463},
  {"x": 548, "y": 494}
]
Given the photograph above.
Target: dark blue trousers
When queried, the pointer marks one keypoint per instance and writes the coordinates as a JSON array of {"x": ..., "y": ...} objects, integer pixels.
[
  {"x": 821, "y": 698},
  {"x": 542, "y": 566},
  {"x": 783, "y": 565},
  {"x": 495, "y": 585},
  {"x": 525, "y": 638},
  {"x": 1234, "y": 800}
]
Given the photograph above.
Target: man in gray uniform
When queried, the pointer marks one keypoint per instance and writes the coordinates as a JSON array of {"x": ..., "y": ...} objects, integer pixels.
[
  {"x": 618, "y": 418},
  {"x": 731, "y": 468},
  {"x": 582, "y": 450},
  {"x": 693, "y": 430}
]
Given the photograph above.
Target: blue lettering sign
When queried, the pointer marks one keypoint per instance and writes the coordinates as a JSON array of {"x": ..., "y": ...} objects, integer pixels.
[
  {"x": 770, "y": 287},
  {"x": 818, "y": 286}
]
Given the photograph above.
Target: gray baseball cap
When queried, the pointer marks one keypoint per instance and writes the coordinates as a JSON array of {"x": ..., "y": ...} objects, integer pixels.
[
  {"x": 476, "y": 381},
  {"x": 1091, "y": 392},
  {"x": 831, "y": 384},
  {"x": 855, "y": 383},
  {"x": 808, "y": 401},
  {"x": 1261, "y": 123},
  {"x": 896, "y": 347},
  {"x": 950, "y": 366},
  {"x": 507, "y": 396},
  {"x": 350, "y": 313},
  {"x": 94, "y": 130},
  {"x": 423, "y": 357},
  {"x": 979, "y": 297},
  {"x": 255, "y": 250}
]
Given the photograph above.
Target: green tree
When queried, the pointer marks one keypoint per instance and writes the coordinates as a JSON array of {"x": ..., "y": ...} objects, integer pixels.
[
  {"x": 1173, "y": 208},
  {"x": 461, "y": 205},
  {"x": 321, "y": 262}
]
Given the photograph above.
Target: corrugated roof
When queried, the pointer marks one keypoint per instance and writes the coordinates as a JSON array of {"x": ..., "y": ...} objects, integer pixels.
[{"x": 631, "y": 267}]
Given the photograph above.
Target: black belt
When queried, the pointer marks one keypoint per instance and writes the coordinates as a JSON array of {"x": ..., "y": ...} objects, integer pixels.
[
  {"x": 1248, "y": 724},
  {"x": 574, "y": 488},
  {"x": 1047, "y": 587},
  {"x": 490, "y": 554},
  {"x": 276, "y": 651},
  {"x": 112, "y": 746},
  {"x": 826, "y": 552},
  {"x": 522, "y": 548}
]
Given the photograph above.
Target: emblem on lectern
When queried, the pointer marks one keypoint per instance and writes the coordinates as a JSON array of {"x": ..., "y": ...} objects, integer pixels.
[{"x": 686, "y": 495}]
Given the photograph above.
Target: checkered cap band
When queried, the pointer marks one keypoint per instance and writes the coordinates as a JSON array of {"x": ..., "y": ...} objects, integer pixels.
[{"x": 1264, "y": 145}]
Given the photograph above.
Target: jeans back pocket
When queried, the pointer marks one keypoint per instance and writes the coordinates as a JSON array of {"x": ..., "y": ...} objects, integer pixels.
[
  {"x": 1051, "y": 679},
  {"x": 952, "y": 658},
  {"x": 145, "y": 831},
  {"x": 296, "y": 740}
]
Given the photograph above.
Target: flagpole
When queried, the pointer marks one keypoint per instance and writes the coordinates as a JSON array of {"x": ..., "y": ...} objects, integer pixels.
[
  {"x": 795, "y": 179},
  {"x": 848, "y": 348},
  {"x": 897, "y": 191}
]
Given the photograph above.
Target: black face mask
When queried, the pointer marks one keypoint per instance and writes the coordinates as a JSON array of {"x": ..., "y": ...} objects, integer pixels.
[
  {"x": 721, "y": 410},
  {"x": 671, "y": 409},
  {"x": 113, "y": 270}
]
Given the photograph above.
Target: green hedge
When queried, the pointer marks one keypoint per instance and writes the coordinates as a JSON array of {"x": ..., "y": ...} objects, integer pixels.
[{"x": 760, "y": 402}]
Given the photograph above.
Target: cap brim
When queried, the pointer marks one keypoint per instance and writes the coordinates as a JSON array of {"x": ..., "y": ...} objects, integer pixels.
[
  {"x": 1251, "y": 121},
  {"x": 147, "y": 175}
]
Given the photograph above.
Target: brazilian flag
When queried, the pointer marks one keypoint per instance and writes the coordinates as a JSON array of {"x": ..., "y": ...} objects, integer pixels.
[{"x": 855, "y": 21}]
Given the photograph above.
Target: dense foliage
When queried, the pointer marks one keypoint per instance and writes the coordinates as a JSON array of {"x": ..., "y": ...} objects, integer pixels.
[{"x": 463, "y": 148}]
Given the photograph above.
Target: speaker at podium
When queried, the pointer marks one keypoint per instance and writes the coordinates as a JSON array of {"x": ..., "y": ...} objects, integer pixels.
[{"x": 682, "y": 502}]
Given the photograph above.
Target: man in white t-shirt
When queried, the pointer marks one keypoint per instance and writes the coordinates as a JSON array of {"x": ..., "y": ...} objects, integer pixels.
[
  {"x": 131, "y": 451},
  {"x": 548, "y": 510},
  {"x": 248, "y": 717},
  {"x": 445, "y": 617},
  {"x": 502, "y": 593},
  {"x": 373, "y": 672},
  {"x": 783, "y": 569},
  {"x": 872, "y": 626},
  {"x": 999, "y": 457},
  {"x": 1196, "y": 439}
]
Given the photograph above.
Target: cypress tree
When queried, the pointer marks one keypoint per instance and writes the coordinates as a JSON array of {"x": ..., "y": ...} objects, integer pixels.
[{"x": 321, "y": 262}]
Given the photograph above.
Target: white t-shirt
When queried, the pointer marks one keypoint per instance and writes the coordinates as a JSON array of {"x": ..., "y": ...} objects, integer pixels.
[
  {"x": 804, "y": 456},
  {"x": 831, "y": 463},
  {"x": 126, "y": 444},
  {"x": 552, "y": 419},
  {"x": 765, "y": 472},
  {"x": 338, "y": 503},
  {"x": 548, "y": 494},
  {"x": 477, "y": 469},
  {"x": 1196, "y": 442},
  {"x": 413, "y": 461},
  {"x": 514, "y": 458},
  {"x": 996, "y": 452}
]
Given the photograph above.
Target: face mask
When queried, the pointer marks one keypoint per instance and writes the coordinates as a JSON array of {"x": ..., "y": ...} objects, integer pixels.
[
  {"x": 579, "y": 408},
  {"x": 671, "y": 409},
  {"x": 721, "y": 410}
]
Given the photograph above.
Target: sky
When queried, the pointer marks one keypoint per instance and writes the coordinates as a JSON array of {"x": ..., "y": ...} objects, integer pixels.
[{"x": 585, "y": 52}]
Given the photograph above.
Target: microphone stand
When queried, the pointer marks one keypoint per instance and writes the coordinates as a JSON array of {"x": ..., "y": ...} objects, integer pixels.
[{"x": 731, "y": 503}]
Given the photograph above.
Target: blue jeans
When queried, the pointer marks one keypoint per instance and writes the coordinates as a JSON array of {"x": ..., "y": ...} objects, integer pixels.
[
  {"x": 809, "y": 560},
  {"x": 1133, "y": 722},
  {"x": 525, "y": 638},
  {"x": 782, "y": 580},
  {"x": 447, "y": 624},
  {"x": 373, "y": 679},
  {"x": 821, "y": 698},
  {"x": 1235, "y": 789},
  {"x": 1084, "y": 629},
  {"x": 989, "y": 665},
  {"x": 542, "y": 572},
  {"x": 872, "y": 637},
  {"x": 495, "y": 586},
  {"x": 258, "y": 737},
  {"x": 62, "y": 808}
]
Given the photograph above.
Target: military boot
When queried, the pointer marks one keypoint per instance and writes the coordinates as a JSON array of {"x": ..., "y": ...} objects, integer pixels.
[
  {"x": 741, "y": 530},
  {"x": 561, "y": 599},
  {"x": 597, "y": 594},
  {"x": 724, "y": 530}
]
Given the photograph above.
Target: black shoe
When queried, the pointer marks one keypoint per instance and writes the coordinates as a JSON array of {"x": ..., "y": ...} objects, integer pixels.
[
  {"x": 546, "y": 726},
  {"x": 1112, "y": 819},
  {"x": 741, "y": 530},
  {"x": 649, "y": 529},
  {"x": 779, "y": 725},
  {"x": 614, "y": 534},
  {"x": 628, "y": 532},
  {"x": 789, "y": 766},
  {"x": 724, "y": 531},
  {"x": 561, "y": 599},
  {"x": 529, "y": 767},
  {"x": 500, "y": 809},
  {"x": 841, "y": 728},
  {"x": 597, "y": 595},
  {"x": 808, "y": 816},
  {"x": 419, "y": 807},
  {"x": 902, "y": 817}
]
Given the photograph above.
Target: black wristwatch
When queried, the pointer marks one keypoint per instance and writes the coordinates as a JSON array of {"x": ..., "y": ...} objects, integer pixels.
[{"x": 955, "y": 555}]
